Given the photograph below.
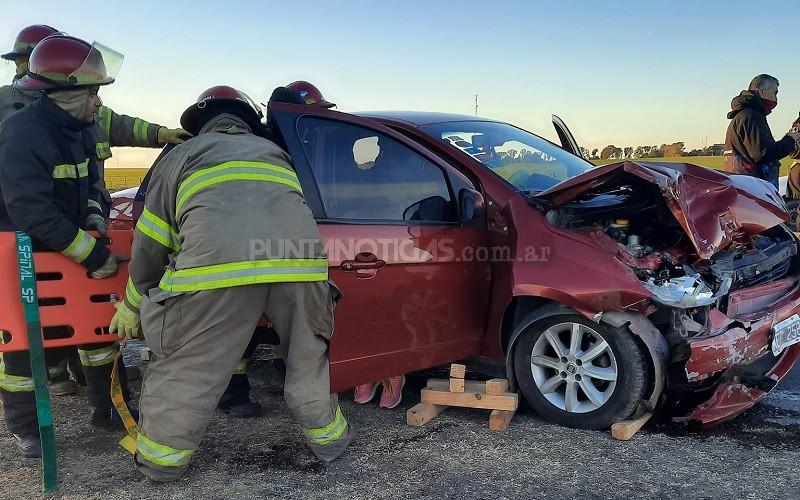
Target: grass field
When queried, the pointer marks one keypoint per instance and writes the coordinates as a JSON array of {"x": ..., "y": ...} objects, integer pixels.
[
  {"x": 703, "y": 161},
  {"x": 122, "y": 178}
]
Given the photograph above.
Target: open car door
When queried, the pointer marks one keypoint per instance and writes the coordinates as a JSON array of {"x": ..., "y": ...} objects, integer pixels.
[{"x": 568, "y": 142}]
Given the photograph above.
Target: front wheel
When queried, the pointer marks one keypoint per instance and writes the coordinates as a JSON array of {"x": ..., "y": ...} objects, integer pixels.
[{"x": 579, "y": 373}]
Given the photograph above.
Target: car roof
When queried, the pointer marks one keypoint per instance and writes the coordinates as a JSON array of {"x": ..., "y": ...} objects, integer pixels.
[{"x": 418, "y": 118}]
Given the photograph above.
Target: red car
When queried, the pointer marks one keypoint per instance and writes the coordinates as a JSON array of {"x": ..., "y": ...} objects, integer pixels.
[{"x": 598, "y": 292}]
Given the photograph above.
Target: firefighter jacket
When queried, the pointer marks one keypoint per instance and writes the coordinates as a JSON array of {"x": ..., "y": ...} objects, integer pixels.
[
  {"x": 48, "y": 171},
  {"x": 223, "y": 209},
  {"x": 111, "y": 130},
  {"x": 12, "y": 100}
]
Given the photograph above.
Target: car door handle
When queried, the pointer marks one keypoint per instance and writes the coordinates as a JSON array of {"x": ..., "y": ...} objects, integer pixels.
[
  {"x": 358, "y": 265},
  {"x": 365, "y": 265}
]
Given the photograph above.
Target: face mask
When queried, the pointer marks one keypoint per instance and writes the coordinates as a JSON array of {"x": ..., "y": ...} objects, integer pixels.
[
  {"x": 768, "y": 105},
  {"x": 78, "y": 103}
]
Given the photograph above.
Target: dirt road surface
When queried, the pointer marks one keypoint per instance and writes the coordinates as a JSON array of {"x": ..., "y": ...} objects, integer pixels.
[{"x": 454, "y": 456}]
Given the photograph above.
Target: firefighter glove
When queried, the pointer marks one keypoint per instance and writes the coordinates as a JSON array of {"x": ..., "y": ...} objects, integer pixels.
[
  {"x": 95, "y": 222},
  {"x": 172, "y": 135},
  {"x": 109, "y": 267},
  {"x": 125, "y": 322}
]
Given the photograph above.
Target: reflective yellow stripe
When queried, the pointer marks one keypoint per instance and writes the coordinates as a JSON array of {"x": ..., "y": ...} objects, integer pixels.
[
  {"x": 80, "y": 248},
  {"x": 158, "y": 230},
  {"x": 13, "y": 383},
  {"x": 137, "y": 124},
  {"x": 244, "y": 273},
  {"x": 94, "y": 204},
  {"x": 140, "y": 129},
  {"x": 104, "y": 118},
  {"x": 68, "y": 171},
  {"x": 241, "y": 366},
  {"x": 235, "y": 171},
  {"x": 103, "y": 151},
  {"x": 133, "y": 295},
  {"x": 161, "y": 454},
  {"x": 321, "y": 436},
  {"x": 98, "y": 357}
]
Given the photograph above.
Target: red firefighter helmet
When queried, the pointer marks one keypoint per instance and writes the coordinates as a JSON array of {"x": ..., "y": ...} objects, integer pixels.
[
  {"x": 310, "y": 94},
  {"x": 221, "y": 99},
  {"x": 62, "y": 62},
  {"x": 27, "y": 40}
]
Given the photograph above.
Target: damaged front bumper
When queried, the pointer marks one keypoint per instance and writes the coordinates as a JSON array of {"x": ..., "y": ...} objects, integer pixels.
[{"x": 738, "y": 351}]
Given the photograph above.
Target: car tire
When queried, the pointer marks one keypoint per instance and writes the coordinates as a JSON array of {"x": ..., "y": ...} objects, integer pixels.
[{"x": 596, "y": 390}]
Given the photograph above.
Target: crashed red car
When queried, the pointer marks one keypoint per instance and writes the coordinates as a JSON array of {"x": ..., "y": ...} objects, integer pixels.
[{"x": 598, "y": 292}]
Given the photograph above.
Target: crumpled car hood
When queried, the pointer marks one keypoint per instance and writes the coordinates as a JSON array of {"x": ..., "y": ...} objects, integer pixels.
[{"x": 714, "y": 208}]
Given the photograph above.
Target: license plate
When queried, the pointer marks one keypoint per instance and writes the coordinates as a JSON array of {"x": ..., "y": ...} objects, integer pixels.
[{"x": 785, "y": 334}]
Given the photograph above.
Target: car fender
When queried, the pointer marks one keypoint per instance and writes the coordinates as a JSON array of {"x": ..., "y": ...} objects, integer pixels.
[
  {"x": 636, "y": 323},
  {"x": 653, "y": 339}
]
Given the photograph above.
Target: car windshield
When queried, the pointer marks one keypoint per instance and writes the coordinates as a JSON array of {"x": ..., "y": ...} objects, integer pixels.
[{"x": 528, "y": 162}]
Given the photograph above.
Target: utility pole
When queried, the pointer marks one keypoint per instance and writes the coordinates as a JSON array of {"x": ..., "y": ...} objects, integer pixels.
[{"x": 476, "y": 104}]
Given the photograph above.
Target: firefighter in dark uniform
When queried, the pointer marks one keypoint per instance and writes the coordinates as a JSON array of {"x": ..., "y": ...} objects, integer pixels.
[
  {"x": 48, "y": 174},
  {"x": 110, "y": 129}
]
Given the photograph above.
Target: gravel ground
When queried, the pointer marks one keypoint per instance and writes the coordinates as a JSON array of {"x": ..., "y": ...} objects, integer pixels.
[{"x": 455, "y": 455}]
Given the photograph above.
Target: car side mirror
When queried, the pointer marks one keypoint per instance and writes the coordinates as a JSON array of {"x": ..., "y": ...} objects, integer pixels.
[{"x": 470, "y": 205}]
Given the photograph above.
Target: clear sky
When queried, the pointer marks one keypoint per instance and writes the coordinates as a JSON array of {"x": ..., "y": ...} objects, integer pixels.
[{"x": 621, "y": 72}]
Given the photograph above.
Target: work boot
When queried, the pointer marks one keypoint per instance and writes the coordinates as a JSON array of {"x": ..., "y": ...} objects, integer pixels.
[
  {"x": 244, "y": 410},
  {"x": 392, "y": 392},
  {"x": 29, "y": 446},
  {"x": 239, "y": 407},
  {"x": 63, "y": 387},
  {"x": 365, "y": 393},
  {"x": 108, "y": 418}
]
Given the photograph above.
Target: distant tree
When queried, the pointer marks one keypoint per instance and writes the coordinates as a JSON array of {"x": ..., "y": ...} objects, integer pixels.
[
  {"x": 674, "y": 149},
  {"x": 594, "y": 154},
  {"x": 585, "y": 152},
  {"x": 608, "y": 152},
  {"x": 512, "y": 153},
  {"x": 628, "y": 152}
]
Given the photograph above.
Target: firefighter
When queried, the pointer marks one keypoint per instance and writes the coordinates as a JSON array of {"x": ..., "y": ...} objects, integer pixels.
[
  {"x": 236, "y": 399},
  {"x": 48, "y": 178},
  {"x": 110, "y": 129},
  {"x": 206, "y": 266}
]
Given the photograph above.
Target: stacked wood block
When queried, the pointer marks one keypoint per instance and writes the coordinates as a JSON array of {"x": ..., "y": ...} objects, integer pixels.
[{"x": 489, "y": 395}]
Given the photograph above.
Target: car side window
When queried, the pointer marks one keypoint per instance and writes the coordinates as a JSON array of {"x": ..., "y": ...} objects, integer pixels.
[{"x": 365, "y": 175}]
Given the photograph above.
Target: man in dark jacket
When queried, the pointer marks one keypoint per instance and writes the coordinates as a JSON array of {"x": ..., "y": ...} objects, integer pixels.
[
  {"x": 749, "y": 146},
  {"x": 48, "y": 178}
]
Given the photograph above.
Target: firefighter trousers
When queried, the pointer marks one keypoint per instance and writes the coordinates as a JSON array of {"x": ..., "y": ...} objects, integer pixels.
[
  {"x": 16, "y": 383},
  {"x": 196, "y": 340}
]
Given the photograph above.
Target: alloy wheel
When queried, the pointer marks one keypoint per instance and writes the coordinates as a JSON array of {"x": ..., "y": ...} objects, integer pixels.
[{"x": 574, "y": 367}]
